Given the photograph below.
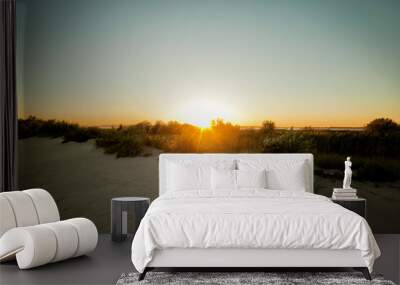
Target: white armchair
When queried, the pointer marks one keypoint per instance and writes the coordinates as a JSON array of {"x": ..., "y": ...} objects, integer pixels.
[{"x": 31, "y": 230}]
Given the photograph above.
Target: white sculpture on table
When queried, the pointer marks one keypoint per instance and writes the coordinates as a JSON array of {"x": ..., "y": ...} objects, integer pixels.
[{"x": 347, "y": 174}]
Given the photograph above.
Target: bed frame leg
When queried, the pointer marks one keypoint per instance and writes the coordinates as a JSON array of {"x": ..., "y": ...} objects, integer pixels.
[
  {"x": 143, "y": 274},
  {"x": 364, "y": 271}
]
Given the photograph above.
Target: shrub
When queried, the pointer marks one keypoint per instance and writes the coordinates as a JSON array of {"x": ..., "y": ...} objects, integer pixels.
[
  {"x": 81, "y": 134},
  {"x": 115, "y": 142},
  {"x": 29, "y": 127},
  {"x": 288, "y": 142},
  {"x": 267, "y": 127},
  {"x": 382, "y": 126},
  {"x": 108, "y": 138},
  {"x": 129, "y": 147}
]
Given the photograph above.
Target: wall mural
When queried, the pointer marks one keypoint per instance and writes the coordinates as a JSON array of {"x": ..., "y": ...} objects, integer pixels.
[{"x": 106, "y": 86}]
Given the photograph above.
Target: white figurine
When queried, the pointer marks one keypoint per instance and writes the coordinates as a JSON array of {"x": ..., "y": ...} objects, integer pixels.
[{"x": 347, "y": 174}]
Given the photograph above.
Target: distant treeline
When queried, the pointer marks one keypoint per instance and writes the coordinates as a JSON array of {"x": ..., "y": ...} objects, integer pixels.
[{"x": 375, "y": 151}]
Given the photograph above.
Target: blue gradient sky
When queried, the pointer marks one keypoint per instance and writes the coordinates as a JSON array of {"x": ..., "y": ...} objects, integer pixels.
[{"x": 299, "y": 63}]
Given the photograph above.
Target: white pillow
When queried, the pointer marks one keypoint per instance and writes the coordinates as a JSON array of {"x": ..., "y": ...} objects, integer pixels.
[
  {"x": 251, "y": 178},
  {"x": 188, "y": 177},
  {"x": 193, "y": 175},
  {"x": 223, "y": 179},
  {"x": 287, "y": 177},
  {"x": 281, "y": 174}
]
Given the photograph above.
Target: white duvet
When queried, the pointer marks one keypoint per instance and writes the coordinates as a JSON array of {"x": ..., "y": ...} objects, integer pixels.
[{"x": 250, "y": 219}]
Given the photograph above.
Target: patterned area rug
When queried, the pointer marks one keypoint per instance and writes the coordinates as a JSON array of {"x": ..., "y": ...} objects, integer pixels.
[{"x": 269, "y": 278}]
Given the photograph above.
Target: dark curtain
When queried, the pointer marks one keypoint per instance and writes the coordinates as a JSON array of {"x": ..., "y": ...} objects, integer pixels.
[{"x": 8, "y": 100}]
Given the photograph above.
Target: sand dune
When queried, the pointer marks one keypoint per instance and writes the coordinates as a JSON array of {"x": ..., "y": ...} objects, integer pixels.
[{"x": 82, "y": 179}]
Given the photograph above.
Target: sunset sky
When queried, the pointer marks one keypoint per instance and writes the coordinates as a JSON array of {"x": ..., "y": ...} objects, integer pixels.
[{"x": 298, "y": 63}]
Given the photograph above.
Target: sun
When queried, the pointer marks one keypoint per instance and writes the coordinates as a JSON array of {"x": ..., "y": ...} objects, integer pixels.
[
  {"x": 200, "y": 113},
  {"x": 201, "y": 120}
]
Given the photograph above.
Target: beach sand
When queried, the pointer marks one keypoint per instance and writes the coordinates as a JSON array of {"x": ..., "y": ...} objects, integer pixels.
[{"x": 83, "y": 179}]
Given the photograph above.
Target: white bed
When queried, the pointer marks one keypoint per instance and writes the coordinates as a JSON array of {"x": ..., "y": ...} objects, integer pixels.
[{"x": 249, "y": 227}]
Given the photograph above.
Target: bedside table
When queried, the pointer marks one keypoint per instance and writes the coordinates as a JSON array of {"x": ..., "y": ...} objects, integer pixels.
[
  {"x": 358, "y": 206},
  {"x": 119, "y": 214}
]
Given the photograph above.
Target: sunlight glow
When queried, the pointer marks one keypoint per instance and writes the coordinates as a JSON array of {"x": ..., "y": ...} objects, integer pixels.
[{"x": 201, "y": 112}]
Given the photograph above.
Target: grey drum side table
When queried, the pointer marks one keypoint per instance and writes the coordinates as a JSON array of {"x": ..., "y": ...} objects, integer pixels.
[{"x": 119, "y": 214}]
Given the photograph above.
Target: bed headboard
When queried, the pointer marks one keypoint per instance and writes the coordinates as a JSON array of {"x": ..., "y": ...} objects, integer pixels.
[{"x": 270, "y": 157}]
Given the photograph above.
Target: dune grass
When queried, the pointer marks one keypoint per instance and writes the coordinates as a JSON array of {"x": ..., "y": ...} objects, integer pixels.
[{"x": 375, "y": 151}]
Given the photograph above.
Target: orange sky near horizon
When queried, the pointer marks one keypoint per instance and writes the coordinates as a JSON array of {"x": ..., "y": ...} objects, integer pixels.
[{"x": 280, "y": 123}]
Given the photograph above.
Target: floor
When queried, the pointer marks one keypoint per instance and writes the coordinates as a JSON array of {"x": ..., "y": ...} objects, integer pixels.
[
  {"x": 103, "y": 266},
  {"x": 110, "y": 260},
  {"x": 389, "y": 262}
]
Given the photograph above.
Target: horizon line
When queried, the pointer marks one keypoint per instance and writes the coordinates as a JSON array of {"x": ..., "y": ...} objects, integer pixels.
[{"x": 241, "y": 126}]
